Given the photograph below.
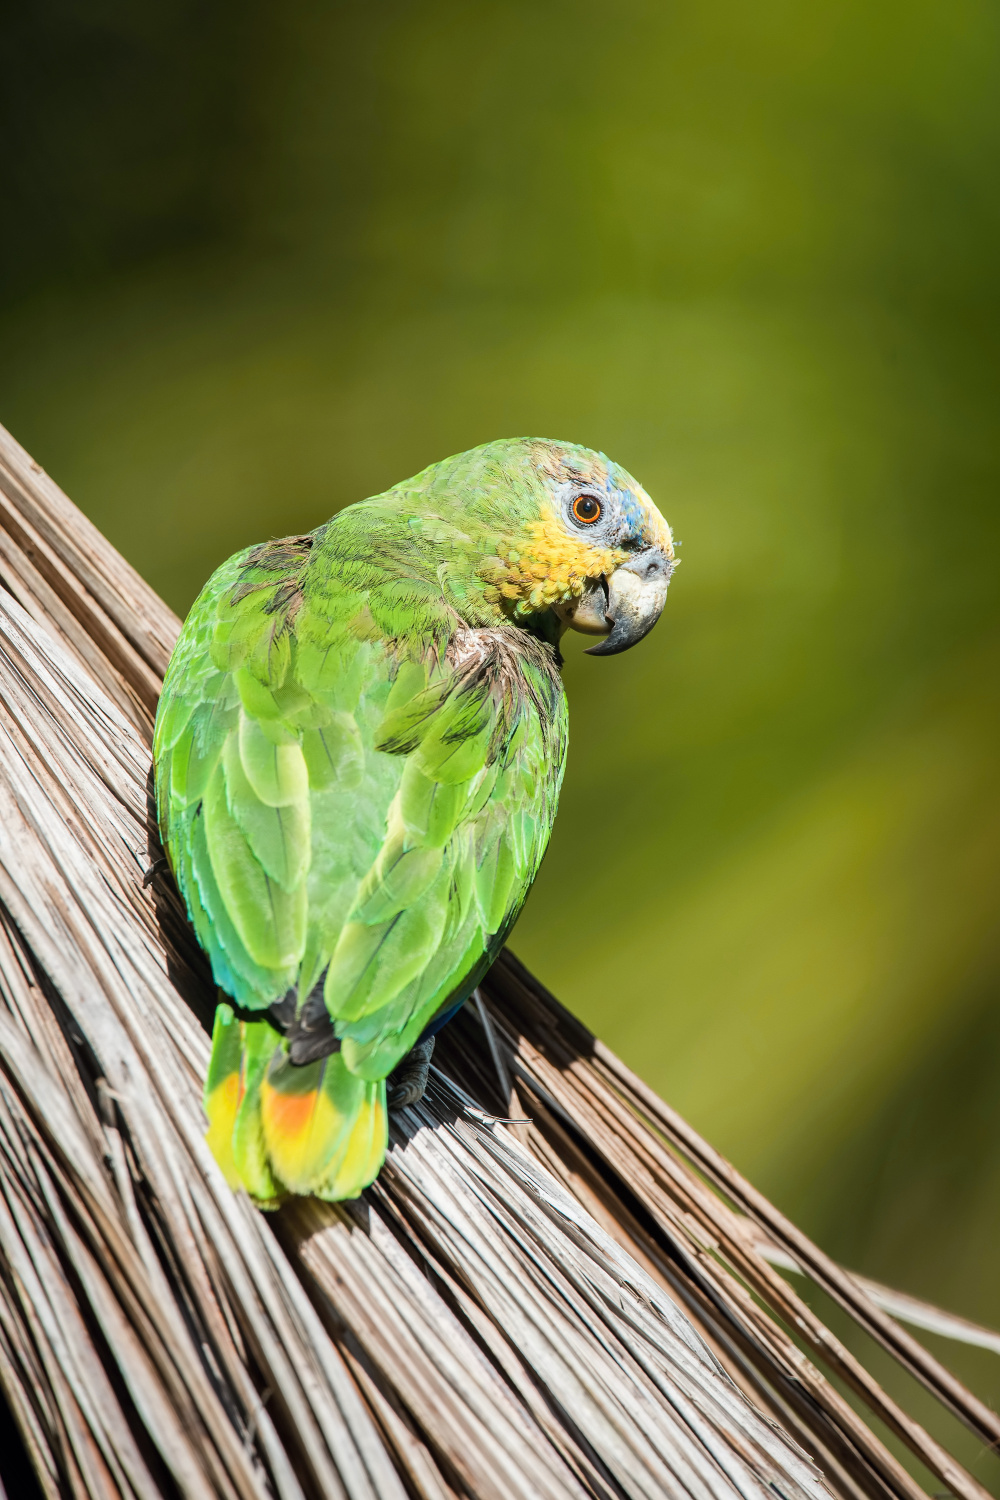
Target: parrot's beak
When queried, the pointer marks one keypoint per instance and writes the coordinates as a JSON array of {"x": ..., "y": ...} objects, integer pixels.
[{"x": 625, "y": 607}]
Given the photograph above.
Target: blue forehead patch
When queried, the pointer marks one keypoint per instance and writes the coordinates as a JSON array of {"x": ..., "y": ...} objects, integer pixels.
[{"x": 632, "y": 513}]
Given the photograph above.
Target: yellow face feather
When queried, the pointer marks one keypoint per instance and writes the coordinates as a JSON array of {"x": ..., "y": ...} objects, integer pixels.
[{"x": 550, "y": 565}]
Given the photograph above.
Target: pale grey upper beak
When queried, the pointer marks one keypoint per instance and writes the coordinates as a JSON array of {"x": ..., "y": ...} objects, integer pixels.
[{"x": 624, "y": 607}]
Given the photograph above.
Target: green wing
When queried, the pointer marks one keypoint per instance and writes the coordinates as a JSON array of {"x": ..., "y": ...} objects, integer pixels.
[{"x": 340, "y": 794}]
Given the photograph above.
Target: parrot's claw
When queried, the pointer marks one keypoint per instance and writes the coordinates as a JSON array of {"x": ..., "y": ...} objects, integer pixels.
[
  {"x": 409, "y": 1081},
  {"x": 156, "y": 868}
]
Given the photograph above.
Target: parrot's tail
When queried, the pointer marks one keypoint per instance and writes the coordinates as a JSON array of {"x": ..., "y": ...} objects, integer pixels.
[{"x": 275, "y": 1127}]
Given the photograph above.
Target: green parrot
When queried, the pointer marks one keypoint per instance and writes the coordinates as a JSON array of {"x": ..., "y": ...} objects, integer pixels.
[{"x": 359, "y": 750}]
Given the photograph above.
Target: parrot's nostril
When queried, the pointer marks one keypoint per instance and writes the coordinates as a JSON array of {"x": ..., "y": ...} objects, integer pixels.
[{"x": 652, "y": 564}]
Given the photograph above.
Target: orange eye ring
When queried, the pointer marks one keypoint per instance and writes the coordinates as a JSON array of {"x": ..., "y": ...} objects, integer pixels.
[{"x": 587, "y": 510}]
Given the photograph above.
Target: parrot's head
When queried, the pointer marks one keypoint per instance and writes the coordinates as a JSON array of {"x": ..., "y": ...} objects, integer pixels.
[{"x": 563, "y": 538}]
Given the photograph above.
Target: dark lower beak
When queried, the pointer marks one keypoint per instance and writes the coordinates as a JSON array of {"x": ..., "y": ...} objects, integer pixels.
[{"x": 637, "y": 592}]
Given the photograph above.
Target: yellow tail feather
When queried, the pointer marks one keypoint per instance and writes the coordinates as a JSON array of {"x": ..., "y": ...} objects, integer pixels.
[
  {"x": 359, "y": 1163},
  {"x": 324, "y": 1128},
  {"x": 275, "y": 1127},
  {"x": 221, "y": 1106}
]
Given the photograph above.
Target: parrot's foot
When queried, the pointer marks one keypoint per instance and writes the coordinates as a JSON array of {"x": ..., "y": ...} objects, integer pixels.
[{"x": 408, "y": 1082}]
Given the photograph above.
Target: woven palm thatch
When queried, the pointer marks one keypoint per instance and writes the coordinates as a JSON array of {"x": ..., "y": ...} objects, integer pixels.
[{"x": 581, "y": 1303}]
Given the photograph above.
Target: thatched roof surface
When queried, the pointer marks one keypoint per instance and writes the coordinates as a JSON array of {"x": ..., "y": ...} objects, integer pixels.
[{"x": 582, "y": 1305}]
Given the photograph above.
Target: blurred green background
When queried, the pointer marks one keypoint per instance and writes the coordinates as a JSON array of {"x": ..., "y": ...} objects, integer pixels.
[{"x": 259, "y": 261}]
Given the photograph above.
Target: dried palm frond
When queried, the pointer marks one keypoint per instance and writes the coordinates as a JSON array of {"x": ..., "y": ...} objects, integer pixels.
[{"x": 579, "y": 1303}]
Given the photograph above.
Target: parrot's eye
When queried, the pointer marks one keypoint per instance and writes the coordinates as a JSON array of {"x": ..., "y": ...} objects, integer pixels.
[{"x": 586, "y": 510}]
